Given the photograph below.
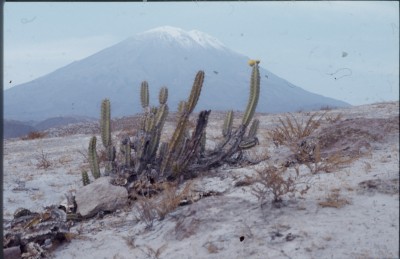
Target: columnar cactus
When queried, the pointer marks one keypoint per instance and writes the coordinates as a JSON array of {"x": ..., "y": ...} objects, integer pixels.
[
  {"x": 184, "y": 154},
  {"x": 176, "y": 144},
  {"x": 126, "y": 150},
  {"x": 93, "y": 159},
  {"x": 181, "y": 106},
  {"x": 163, "y": 95},
  {"x": 105, "y": 125},
  {"x": 227, "y": 127},
  {"x": 254, "y": 92},
  {"x": 253, "y": 128},
  {"x": 196, "y": 90},
  {"x": 144, "y": 94},
  {"x": 85, "y": 178}
]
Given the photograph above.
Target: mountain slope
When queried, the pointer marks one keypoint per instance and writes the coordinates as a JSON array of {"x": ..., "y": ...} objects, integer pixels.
[{"x": 164, "y": 56}]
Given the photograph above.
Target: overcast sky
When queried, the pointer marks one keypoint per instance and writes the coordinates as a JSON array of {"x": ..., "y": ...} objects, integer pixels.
[{"x": 345, "y": 50}]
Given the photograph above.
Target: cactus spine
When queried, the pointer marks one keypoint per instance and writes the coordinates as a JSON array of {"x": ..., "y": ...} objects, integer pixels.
[
  {"x": 254, "y": 93},
  {"x": 93, "y": 159}
]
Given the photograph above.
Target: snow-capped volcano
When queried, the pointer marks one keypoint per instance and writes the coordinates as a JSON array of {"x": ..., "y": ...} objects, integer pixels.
[
  {"x": 187, "y": 39},
  {"x": 164, "y": 56}
]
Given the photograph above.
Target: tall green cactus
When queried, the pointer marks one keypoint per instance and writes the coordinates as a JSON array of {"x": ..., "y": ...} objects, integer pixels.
[
  {"x": 144, "y": 94},
  {"x": 227, "y": 127},
  {"x": 126, "y": 147},
  {"x": 196, "y": 90},
  {"x": 175, "y": 144},
  {"x": 160, "y": 118},
  {"x": 105, "y": 123},
  {"x": 254, "y": 93},
  {"x": 85, "y": 178},
  {"x": 163, "y": 95},
  {"x": 93, "y": 159},
  {"x": 181, "y": 106}
]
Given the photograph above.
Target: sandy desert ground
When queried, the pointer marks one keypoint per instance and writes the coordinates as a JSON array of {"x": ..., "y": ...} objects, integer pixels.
[{"x": 351, "y": 212}]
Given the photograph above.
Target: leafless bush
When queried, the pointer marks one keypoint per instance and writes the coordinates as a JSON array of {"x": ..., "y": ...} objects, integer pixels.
[
  {"x": 301, "y": 140},
  {"x": 159, "y": 206},
  {"x": 330, "y": 163},
  {"x": 278, "y": 182},
  {"x": 290, "y": 130},
  {"x": 170, "y": 199},
  {"x": 152, "y": 253},
  {"x": 211, "y": 248},
  {"x": 186, "y": 227},
  {"x": 34, "y": 135},
  {"x": 84, "y": 154},
  {"x": 333, "y": 119},
  {"x": 147, "y": 211},
  {"x": 43, "y": 161}
]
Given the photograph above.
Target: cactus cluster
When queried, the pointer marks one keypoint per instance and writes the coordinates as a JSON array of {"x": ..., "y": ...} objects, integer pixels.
[{"x": 185, "y": 153}]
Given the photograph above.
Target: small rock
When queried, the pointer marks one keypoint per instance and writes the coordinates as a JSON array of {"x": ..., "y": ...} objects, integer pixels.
[
  {"x": 100, "y": 195},
  {"x": 12, "y": 252}
]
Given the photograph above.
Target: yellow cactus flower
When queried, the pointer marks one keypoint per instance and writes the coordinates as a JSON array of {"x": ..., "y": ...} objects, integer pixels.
[{"x": 252, "y": 62}]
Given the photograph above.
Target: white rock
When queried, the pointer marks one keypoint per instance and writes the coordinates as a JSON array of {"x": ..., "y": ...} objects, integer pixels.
[{"x": 100, "y": 195}]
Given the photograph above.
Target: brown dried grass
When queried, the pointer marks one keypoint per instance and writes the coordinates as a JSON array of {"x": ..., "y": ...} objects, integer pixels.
[
  {"x": 170, "y": 198},
  {"x": 34, "y": 135},
  {"x": 275, "y": 181},
  {"x": 334, "y": 200}
]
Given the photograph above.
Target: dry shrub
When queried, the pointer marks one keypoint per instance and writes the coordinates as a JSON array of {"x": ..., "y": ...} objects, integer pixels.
[
  {"x": 146, "y": 209},
  {"x": 211, "y": 248},
  {"x": 290, "y": 130},
  {"x": 65, "y": 159},
  {"x": 333, "y": 119},
  {"x": 333, "y": 200},
  {"x": 158, "y": 207},
  {"x": 328, "y": 164},
  {"x": 84, "y": 154},
  {"x": 152, "y": 253},
  {"x": 34, "y": 135},
  {"x": 186, "y": 227},
  {"x": 43, "y": 161},
  {"x": 170, "y": 199},
  {"x": 278, "y": 182}
]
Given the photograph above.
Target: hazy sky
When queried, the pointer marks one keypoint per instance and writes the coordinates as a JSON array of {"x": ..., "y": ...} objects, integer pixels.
[{"x": 345, "y": 50}]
